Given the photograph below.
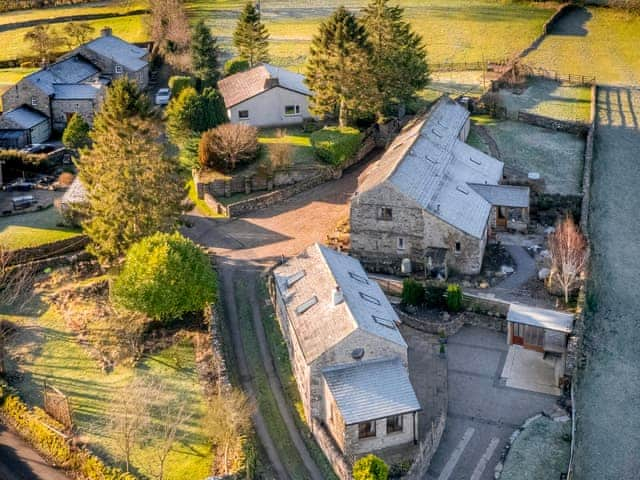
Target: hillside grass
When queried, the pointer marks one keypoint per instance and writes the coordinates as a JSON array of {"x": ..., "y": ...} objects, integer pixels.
[
  {"x": 44, "y": 349},
  {"x": 33, "y": 229},
  {"x": 97, "y": 8},
  {"x": 132, "y": 28},
  {"x": 600, "y": 42},
  {"x": 454, "y": 30}
]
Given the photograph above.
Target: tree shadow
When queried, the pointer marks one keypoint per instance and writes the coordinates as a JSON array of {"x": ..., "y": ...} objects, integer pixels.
[
  {"x": 11, "y": 462},
  {"x": 572, "y": 23}
]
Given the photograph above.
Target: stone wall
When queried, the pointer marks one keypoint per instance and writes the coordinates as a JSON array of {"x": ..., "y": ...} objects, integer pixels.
[
  {"x": 341, "y": 466},
  {"x": 22, "y": 93},
  {"x": 61, "y": 247},
  {"x": 575, "y": 128},
  {"x": 60, "y": 109},
  {"x": 428, "y": 448}
]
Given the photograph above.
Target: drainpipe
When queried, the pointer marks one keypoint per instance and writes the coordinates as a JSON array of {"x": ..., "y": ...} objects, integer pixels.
[{"x": 415, "y": 438}]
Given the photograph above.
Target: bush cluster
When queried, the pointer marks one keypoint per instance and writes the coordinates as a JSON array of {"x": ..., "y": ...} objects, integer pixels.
[
  {"x": 17, "y": 160},
  {"x": 370, "y": 467},
  {"x": 178, "y": 83},
  {"x": 236, "y": 65},
  {"x": 336, "y": 145},
  {"x": 435, "y": 294},
  {"x": 454, "y": 297},
  {"x": 413, "y": 292},
  {"x": 30, "y": 424}
]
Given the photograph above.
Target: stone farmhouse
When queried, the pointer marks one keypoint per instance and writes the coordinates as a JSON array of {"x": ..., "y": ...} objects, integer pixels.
[
  {"x": 266, "y": 96},
  {"x": 348, "y": 356},
  {"x": 432, "y": 201},
  {"x": 45, "y": 100}
]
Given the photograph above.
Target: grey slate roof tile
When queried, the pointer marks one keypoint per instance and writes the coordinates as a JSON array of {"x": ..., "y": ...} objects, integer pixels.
[{"x": 25, "y": 117}]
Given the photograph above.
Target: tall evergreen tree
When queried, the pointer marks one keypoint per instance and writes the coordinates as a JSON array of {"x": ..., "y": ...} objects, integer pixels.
[
  {"x": 204, "y": 55},
  {"x": 339, "y": 70},
  {"x": 251, "y": 37},
  {"x": 76, "y": 133},
  {"x": 398, "y": 55},
  {"x": 133, "y": 187}
]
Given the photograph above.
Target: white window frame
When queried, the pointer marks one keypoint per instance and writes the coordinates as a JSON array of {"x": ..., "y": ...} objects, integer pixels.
[
  {"x": 393, "y": 431},
  {"x": 401, "y": 244},
  {"x": 457, "y": 248},
  {"x": 118, "y": 69},
  {"x": 34, "y": 101},
  {"x": 240, "y": 117},
  {"x": 296, "y": 110}
]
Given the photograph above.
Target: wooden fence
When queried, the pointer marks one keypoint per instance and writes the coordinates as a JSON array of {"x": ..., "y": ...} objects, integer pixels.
[
  {"x": 570, "y": 78},
  {"x": 488, "y": 65}
]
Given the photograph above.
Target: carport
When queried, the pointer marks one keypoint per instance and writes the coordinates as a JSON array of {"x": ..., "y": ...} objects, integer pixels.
[{"x": 538, "y": 328}]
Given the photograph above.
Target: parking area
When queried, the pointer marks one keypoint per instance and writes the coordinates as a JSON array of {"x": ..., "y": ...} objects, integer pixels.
[{"x": 483, "y": 411}]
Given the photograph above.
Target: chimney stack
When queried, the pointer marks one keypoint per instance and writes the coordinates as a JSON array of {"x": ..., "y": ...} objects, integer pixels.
[
  {"x": 106, "y": 32},
  {"x": 337, "y": 296}
]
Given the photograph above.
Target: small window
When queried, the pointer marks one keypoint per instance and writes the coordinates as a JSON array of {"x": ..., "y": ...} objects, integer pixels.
[
  {"x": 359, "y": 278},
  {"x": 77, "y": 107},
  {"x": 243, "y": 114},
  {"x": 118, "y": 68},
  {"x": 458, "y": 247},
  {"x": 385, "y": 213},
  {"x": 367, "y": 429},
  {"x": 401, "y": 244},
  {"x": 369, "y": 298},
  {"x": 394, "y": 424},
  {"x": 34, "y": 101},
  {"x": 292, "y": 110}
]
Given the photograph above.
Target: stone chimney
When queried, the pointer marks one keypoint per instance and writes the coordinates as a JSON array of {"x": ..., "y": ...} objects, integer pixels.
[
  {"x": 106, "y": 32},
  {"x": 337, "y": 296}
]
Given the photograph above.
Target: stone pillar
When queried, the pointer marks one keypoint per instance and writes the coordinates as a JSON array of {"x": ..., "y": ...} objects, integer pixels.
[{"x": 247, "y": 185}]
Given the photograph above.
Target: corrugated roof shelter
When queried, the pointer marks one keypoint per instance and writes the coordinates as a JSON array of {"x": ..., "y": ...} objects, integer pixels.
[
  {"x": 540, "y": 317},
  {"x": 242, "y": 86},
  {"x": 371, "y": 390},
  {"x": 308, "y": 282}
]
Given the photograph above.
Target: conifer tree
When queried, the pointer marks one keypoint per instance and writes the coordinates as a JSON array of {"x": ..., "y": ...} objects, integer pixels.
[
  {"x": 204, "y": 55},
  {"x": 133, "y": 187},
  {"x": 398, "y": 53},
  {"x": 251, "y": 37},
  {"x": 339, "y": 70},
  {"x": 76, "y": 133}
]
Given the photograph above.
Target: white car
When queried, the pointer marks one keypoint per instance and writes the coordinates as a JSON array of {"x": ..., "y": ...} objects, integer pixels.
[{"x": 163, "y": 96}]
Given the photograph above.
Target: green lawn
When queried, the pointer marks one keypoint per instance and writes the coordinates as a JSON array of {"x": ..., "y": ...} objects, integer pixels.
[
  {"x": 45, "y": 350},
  {"x": 294, "y": 136},
  {"x": 598, "y": 41},
  {"x": 454, "y": 30},
  {"x": 551, "y": 99},
  {"x": 556, "y": 156},
  {"x": 97, "y": 8},
  {"x": 32, "y": 229},
  {"x": 132, "y": 28}
]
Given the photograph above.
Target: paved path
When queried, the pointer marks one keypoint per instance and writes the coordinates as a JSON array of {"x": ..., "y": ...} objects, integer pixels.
[
  {"x": 483, "y": 413},
  {"x": 18, "y": 461},
  {"x": 525, "y": 268}
]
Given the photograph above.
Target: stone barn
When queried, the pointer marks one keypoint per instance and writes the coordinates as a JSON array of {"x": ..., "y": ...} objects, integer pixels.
[{"x": 432, "y": 201}]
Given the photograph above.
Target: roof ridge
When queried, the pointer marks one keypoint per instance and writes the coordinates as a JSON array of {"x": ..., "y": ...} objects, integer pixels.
[{"x": 371, "y": 361}]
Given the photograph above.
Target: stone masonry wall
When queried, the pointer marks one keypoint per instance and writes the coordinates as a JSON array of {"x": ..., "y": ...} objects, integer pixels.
[
  {"x": 60, "y": 108},
  {"x": 22, "y": 93}
]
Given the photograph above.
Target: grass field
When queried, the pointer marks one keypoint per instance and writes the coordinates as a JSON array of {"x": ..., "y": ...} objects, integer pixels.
[
  {"x": 45, "y": 350},
  {"x": 556, "y": 156},
  {"x": 454, "y": 30},
  {"x": 598, "y": 41},
  {"x": 132, "y": 28},
  {"x": 32, "y": 229},
  {"x": 97, "y": 8},
  {"x": 550, "y": 99},
  {"x": 300, "y": 142}
]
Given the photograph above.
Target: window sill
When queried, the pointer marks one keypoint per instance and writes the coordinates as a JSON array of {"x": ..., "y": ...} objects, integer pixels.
[{"x": 395, "y": 432}]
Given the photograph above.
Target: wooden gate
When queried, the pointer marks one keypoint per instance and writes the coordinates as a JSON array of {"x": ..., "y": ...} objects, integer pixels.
[{"x": 57, "y": 405}]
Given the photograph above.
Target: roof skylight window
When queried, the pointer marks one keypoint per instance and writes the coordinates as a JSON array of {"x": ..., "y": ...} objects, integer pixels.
[
  {"x": 303, "y": 307},
  {"x": 369, "y": 298}
]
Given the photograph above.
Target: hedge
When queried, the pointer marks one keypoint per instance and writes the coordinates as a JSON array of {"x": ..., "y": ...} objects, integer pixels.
[
  {"x": 236, "y": 65},
  {"x": 336, "y": 145},
  {"x": 30, "y": 424},
  {"x": 178, "y": 83},
  {"x": 15, "y": 160}
]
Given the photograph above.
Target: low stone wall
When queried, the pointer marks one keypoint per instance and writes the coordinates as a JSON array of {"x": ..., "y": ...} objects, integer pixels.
[
  {"x": 575, "y": 128},
  {"x": 53, "y": 249},
  {"x": 340, "y": 465},
  {"x": 449, "y": 328},
  {"x": 428, "y": 448},
  {"x": 485, "y": 306}
]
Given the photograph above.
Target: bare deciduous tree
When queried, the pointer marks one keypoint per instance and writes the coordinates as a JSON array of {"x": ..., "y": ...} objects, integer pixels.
[
  {"x": 171, "y": 33},
  {"x": 227, "y": 423},
  {"x": 228, "y": 145},
  {"x": 568, "y": 248},
  {"x": 43, "y": 41},
  {"x": 77, "y": 33}
]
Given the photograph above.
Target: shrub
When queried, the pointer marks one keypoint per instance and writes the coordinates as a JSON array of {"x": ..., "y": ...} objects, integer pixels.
[
  {"x": 76, "y": 133},
  {"x": 454, "y": 297},
  {"x": 412, "y": 292},
  {"x": 14, "y": 160},
  {"x": 225, "y": 147},
  {"x": 370, "y": 468},
  {"x": 178, "y": 83},
  {"x": 236, "y": 65},
  {"x": 336, "y": 145},
  {"x": 435, "y": 294},
  {"x": 164, "y": 276}
]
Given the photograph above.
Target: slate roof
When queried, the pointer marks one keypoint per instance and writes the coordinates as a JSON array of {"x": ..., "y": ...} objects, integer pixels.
[
  {"x": 540, "y": 317},
  {"x": 314, "y": 275},
  {"x": 503, "y": 195},
  {"x": 430, "y": 164},
  {"x": 124, "y": 53},
  {"x": 71, "y": 70},
  {"x": 77, "y": 91},
  {"x": 25, "y": 117},
  {"x": 371, "y": 390},
  {"x": 242, "y": 86}
]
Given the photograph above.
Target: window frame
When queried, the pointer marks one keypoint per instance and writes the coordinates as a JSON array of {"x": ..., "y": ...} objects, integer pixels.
[
  {"x": 241, "y": 117},
  {"x": 401, "y": 244},
  {"x": 370, "y": 432},
  {"x": 118, "y": 69},
  {"x": 457, "y": 248},
  {"x": 396, "y": 426},
  {"x": 34, "y": 101},
  {"x": 296, "y": 110},
  {"x": 385, "y": 213}
]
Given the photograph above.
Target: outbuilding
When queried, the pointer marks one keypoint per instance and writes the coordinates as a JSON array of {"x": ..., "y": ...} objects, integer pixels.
[
  {"x": 538, "y": 328},
  {"x": 35, "y": 127}
]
